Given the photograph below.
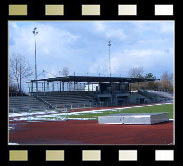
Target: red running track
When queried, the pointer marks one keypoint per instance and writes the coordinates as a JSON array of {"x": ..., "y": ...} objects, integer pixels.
[{"x": 89, "y": 132}]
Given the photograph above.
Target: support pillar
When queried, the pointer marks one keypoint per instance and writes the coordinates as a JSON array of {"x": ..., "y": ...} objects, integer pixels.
[
  {"x": 53, "y": 87},
  {"x": 62, "y": 86},
  {"x": 37, "y": 83},
  {"x": 31, "y": 86},
  {"x": 74, "y": 86},
  {"x": 47, "y": 87},
  {"x": 77, "y": 86},
  {"x": 44, "y": 86},
  {"x": 99, "y": 90}
]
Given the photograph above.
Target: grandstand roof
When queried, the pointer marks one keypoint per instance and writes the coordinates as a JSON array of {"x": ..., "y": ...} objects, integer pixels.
[{"x": 95, "y": 79}]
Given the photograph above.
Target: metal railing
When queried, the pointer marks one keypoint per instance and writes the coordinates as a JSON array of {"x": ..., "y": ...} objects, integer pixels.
[
  {"x": 72, "y": 106},
  {"x": 45, "y": 102},
  {"x": 82, "y": 105},
  {"x": 11, "y": 94},
  {"x": 40, "y": 114},
  {"x": 25, "y": 109},
  {"x": 62, "y": 115}
]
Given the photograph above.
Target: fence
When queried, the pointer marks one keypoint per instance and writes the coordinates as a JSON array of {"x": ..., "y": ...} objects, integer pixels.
[
  {"x": 42, "y": 114},
  {"x": 25, "y": 109},
  {"x": 59, "y": 114},
  {"x": 17, "y": 94},
  {"x": 83, "y": 105},
  {"x": 89, "y": 105}
]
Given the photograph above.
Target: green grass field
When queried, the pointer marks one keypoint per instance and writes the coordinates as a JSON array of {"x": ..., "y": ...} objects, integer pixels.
[{"x": 147, "y": 109}]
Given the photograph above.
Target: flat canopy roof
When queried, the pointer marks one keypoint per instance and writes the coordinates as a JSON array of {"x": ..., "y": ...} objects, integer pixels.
[{"x": 95, "y": 79}]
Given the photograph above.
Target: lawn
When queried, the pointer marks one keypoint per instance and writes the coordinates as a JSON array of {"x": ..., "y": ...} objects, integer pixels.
[{"x": 146, "y": 109}]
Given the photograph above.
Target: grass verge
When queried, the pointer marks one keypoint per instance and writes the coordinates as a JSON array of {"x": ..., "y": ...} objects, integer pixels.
[{"x": 146, "y": 109}]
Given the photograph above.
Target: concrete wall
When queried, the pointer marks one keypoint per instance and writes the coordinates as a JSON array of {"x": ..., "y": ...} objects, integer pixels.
[{"x": 134, "y": 98}]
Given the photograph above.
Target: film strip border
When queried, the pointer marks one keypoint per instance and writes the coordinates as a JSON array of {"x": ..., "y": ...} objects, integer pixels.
[
  {"x": 90, "y": 155},
  {"x": 91, "y": 10},
  {"x": 124, "y": 9},
  {"x": 87, "y": 9}
]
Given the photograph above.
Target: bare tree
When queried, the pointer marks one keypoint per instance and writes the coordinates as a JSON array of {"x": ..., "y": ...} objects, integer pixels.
[
  {"x": 65, "y": 71},
  {"x": 171, "y": 79},
  {"x": 12, "y": 85},
  {"x": 167, "y": 80},
  {"x": 136, "y": 72},
  {"x": 10, "y": 78},
  {"x": 19, "y": 70}
]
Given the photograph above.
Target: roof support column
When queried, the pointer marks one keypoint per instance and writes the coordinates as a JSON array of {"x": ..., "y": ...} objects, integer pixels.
[
  {"x": 53, "y": 86},
  {"x": 44, "y": 86},
  {"x": 48, "y": 86},
  {"x": 74, "y": 86},
  {"x": 62, "y": 86},
  {"x": 31, "y": 86},
  {"x": 36, "y": 86}
]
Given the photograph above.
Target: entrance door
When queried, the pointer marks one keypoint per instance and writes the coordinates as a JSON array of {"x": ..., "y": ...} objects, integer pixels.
[{"x": 141, "y": 100}]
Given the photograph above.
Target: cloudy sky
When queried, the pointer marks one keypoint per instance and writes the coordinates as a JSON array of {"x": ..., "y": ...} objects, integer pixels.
[{"x": 82, "y": 46}]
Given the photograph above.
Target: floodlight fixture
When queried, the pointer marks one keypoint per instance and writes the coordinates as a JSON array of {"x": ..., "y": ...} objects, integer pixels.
[
  {"x": 35, "y": 32},
  {"x": 109, "y": 44}
]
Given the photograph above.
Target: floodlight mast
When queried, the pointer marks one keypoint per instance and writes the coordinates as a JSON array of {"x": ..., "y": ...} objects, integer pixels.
[
  {"x": 35, "y": 32},
  {"x": 109, "y": 44}
]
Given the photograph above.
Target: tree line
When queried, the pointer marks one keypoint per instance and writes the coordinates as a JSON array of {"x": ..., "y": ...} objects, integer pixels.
[{"x": 164, "y": 84}]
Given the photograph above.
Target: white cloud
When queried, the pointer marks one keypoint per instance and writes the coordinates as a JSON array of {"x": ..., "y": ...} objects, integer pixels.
[
  {"x": 167, "y": 27},
  {"x": 154, "y": 26},
  {"x": 116, "y": 33},
  {"x": 52, "y": 42},
  {"x": 99, "y": 26},
  {"x": 121, "y": 62},
  {"x": 14, "y": 25},
  {"x": 110, "y": 32},
  {"x": 83, "y": 47}
]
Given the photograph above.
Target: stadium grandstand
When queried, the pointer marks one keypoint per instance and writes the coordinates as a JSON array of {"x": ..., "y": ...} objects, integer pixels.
[{"x": 80, "y": 92}]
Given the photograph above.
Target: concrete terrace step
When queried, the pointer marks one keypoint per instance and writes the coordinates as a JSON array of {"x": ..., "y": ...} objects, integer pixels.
[
  {"x": 20, "y": 102},
  {"x": 45, "y": 100}
]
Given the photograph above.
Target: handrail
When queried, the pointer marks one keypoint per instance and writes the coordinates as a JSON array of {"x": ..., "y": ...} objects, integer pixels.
[
  {"x": 85, "y": 105},
  {"x": 44, "y": 101}
]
